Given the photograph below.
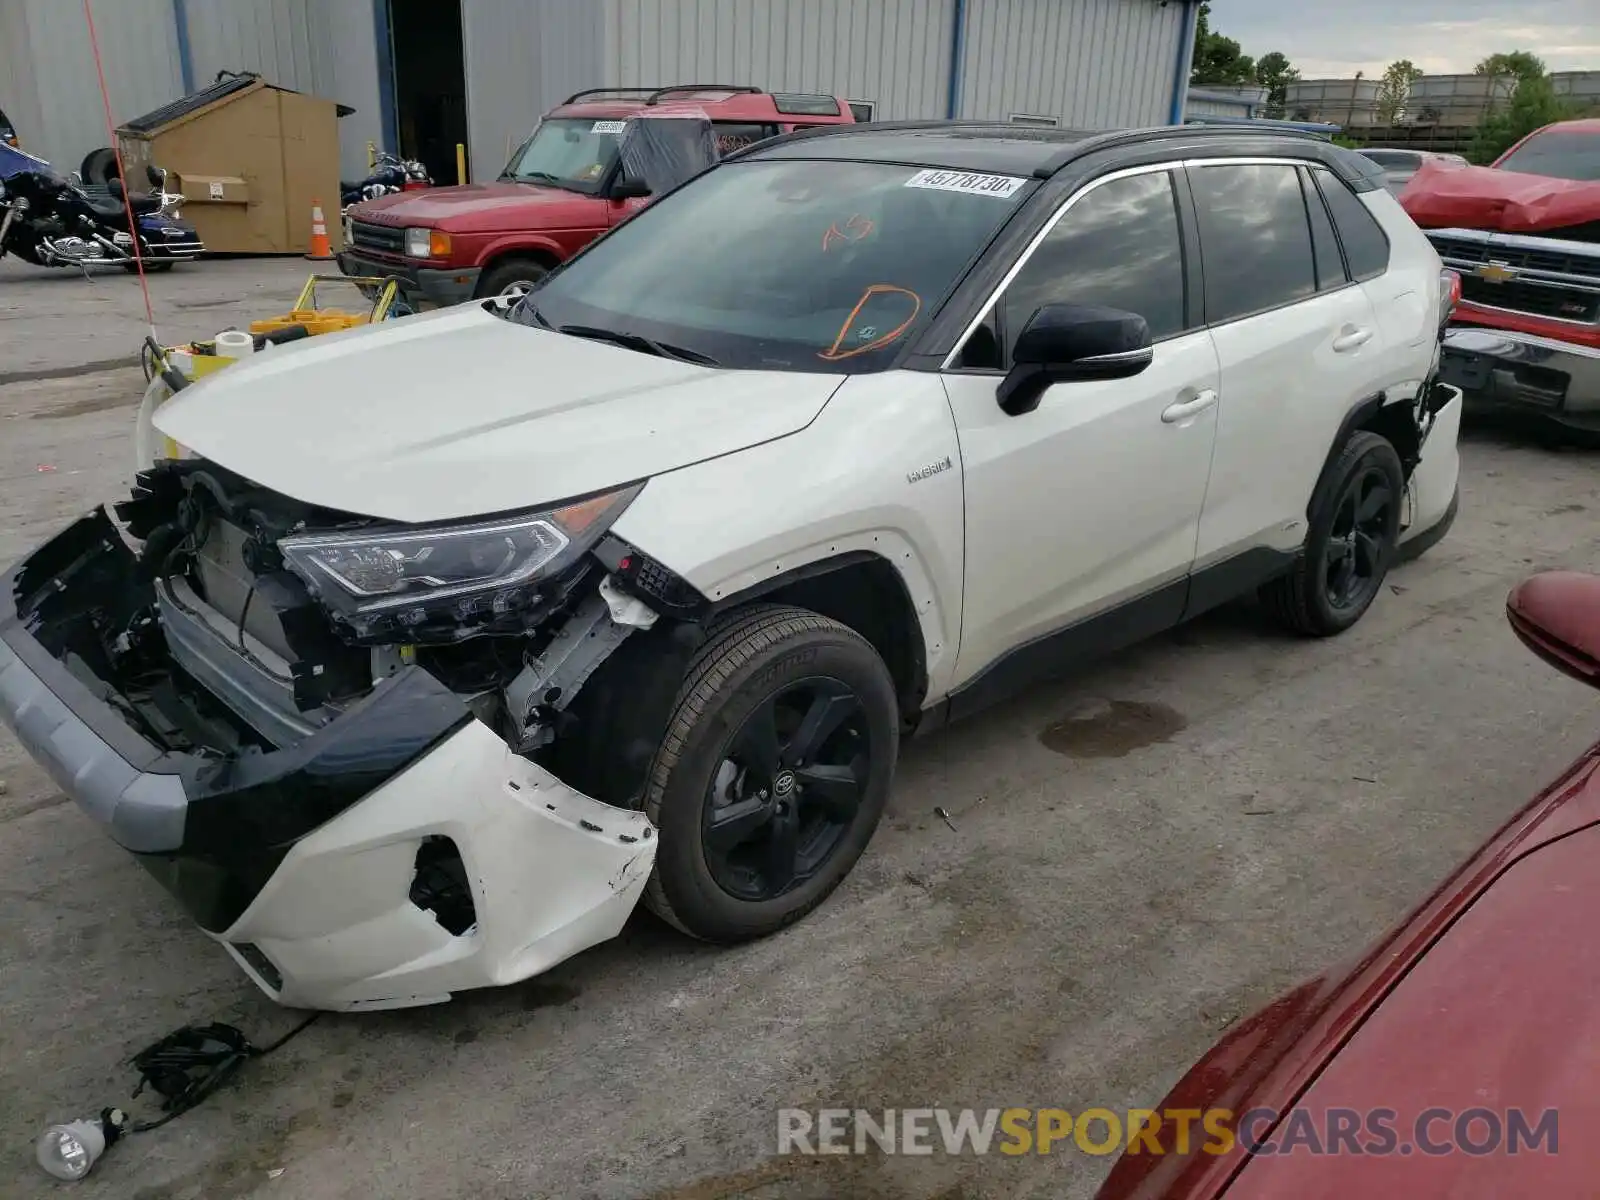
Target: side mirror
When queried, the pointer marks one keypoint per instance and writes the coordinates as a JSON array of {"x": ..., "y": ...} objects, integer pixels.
[
  {"x": 1064, "y": 343},
  {"x": 629, "y": 188},
  {"x": 1557, "y": 616}
]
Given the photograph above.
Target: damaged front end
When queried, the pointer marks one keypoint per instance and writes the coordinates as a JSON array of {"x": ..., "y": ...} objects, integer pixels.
[{"x": 336, "y": 740}]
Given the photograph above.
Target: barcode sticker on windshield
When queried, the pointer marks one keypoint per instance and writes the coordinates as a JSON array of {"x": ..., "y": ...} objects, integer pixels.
[
  {"x": 609, "y": 126},
  {"x": 1003, "y": 186}
]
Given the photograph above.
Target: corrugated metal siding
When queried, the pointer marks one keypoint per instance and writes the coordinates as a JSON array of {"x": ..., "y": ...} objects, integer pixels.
[
  {"x": 19, "y": 92},
  {"x": 523, "y": 58},
  {"x": 895, "y": 53},
  {"x": 1198, "y": 106},
  {"x": 1094, "y": 64},
  {"x": 325, "y": 48},
  {"x": 139, "y": 46},
  {"x": 352, "y": 35},
  {"x": 286, "y": 41}
]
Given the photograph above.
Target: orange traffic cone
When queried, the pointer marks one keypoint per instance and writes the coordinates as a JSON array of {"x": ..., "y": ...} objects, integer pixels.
[{"x": 321, "y": 249}]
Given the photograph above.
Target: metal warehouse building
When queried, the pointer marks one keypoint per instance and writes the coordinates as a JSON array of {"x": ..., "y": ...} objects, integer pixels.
[{"x": 423, "y": 75}]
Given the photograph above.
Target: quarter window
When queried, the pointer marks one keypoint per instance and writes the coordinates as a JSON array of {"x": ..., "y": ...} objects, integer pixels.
[
  {"x": 1366, "y": 247},
  {"x": 1255, "y": 238},
  {"x": 1119, "y": 245},
  {"x": 736, "y": 135}
]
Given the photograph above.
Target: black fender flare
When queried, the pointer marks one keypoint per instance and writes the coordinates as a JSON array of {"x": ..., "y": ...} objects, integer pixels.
[{"x": 1365, "y": 414}]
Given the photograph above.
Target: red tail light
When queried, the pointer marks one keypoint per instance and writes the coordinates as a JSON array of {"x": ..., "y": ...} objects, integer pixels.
[
  {"x": 1449, "y": 294},
  {"x": 414, "y": 185}
]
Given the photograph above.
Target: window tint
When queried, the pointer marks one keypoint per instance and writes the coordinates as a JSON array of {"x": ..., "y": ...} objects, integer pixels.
[
  {"x": 1560, "y": 154},
  {"x": 1255, "y": 238},
  {"x": 1402, "y": 159},
  {"x": 1324, "y": 243},
  {"x": 1366, "y": 247},
  {"x": 736, "y": 135},
  {"x": 786, "y": 264},
  {"x": 1119, "y": 246}
]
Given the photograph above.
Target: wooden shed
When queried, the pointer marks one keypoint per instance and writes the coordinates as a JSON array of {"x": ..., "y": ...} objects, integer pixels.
[{"x": 250, "y": 158}]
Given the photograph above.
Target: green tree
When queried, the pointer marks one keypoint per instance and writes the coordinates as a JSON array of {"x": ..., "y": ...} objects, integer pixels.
[
  {"x": 1218, "y": 60},
  {"x": 1534, "y": 106},
  {"x": 1396, "y": 89},
  {"x": 1524, "y": 64},
  {"x": 1274, "y": 72}
]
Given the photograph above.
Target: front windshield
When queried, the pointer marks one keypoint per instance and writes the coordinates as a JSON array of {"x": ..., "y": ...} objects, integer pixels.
[
  {"x": 1558, "y": 155},
  {"x": 785, "y": 265},
  {"x": 568, "y": 152}
]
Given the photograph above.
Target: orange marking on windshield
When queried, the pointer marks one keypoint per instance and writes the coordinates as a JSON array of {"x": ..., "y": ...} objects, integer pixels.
[
  {"x": 834, "y": 354},
  {"x": 855, "y": 229}
]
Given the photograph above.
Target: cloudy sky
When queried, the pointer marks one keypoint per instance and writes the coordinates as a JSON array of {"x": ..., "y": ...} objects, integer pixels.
[{"x": 1340, "y": 37}]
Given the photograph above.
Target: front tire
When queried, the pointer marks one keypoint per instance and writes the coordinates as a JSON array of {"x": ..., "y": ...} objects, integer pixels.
[
  {"x": 512, "y": 278},
  {"x": 1351, "y": 543},
  {"x": 773, "y": 773}
]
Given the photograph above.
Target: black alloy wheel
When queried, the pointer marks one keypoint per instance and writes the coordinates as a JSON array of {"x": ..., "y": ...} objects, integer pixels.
[
  {"x": 1351, "y": 536},
  {"x": 788, "y": 789},
  {"x": 772, "y": 773},
  {"x": 1354, "y": 559}
]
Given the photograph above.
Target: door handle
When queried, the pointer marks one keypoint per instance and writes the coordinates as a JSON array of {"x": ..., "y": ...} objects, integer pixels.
[
  {"x": 1184, "y": 409},
  {"x": 1350, "y": 338}
]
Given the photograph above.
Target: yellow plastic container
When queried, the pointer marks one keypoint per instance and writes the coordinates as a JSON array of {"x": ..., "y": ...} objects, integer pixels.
[{"x": 316, "y": 320}]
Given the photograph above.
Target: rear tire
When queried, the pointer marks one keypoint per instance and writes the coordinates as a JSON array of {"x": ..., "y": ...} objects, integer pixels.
[
  {"x": 772, "y": 775},
  {"x": 1350, "y": 545},
  {"x": 510, "y": 273}
]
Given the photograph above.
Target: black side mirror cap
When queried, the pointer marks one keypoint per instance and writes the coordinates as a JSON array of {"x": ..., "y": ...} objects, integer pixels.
[
  {"x": 629, "y": 189},
  {"x": 1063, "y": 343}
]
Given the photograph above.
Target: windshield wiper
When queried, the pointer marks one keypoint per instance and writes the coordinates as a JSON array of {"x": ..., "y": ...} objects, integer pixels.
[
  {"x": 540, "y": 177},
  {"x": 637, "y": 341}
]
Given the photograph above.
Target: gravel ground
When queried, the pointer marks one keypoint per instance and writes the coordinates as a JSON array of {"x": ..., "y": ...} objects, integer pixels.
[{"x": 1140, "y": 855}]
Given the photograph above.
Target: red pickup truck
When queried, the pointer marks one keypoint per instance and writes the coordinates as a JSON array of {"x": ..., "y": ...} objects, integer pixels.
[
  {"x": 1524, "y": 235},
  {"x": 563, "y": 188}
]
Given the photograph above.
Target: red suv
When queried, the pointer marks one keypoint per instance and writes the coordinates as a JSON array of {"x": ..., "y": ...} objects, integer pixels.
[{"x": 563, "y": 188}]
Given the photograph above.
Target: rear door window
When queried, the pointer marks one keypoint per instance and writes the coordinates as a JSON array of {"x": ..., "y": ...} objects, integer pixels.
[
  {"x": 1255, "y": 238},
  {"x": 1366, "y": 246},
  {"x": 1324, "y": 242}
]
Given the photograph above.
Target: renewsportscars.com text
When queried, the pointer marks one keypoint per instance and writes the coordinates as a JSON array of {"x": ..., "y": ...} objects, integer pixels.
[{"x": 1215, "y": 1131}]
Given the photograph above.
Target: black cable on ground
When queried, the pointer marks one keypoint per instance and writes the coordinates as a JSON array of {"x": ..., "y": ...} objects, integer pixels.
[{"x": 190, "y": 1063}]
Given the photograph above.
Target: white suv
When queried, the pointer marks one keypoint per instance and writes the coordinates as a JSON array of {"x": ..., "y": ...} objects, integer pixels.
[{"x": 450, "y": 639}]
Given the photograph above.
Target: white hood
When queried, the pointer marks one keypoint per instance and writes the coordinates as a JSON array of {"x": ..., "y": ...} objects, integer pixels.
[{"x": 458, "y": 413}]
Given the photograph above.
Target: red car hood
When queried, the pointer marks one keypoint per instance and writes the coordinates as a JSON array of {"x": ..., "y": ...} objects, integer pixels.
[
  {"x": 1522, "y": 1034},
  {"x": 486, "y": 208},
  {"x": 1419, "y": 1023},
  {"x": 1444, "y": 196}
]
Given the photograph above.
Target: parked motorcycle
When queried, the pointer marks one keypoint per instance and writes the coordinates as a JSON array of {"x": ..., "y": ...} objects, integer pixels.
[
  {"x": 55, "y": 222},
  {"x": 389, "y": 175}
]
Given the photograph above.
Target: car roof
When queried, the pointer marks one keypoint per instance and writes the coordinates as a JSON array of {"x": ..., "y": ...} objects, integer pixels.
[
  {"x": 1042, "y": 151},
  {"x": 719, "y": 100}
]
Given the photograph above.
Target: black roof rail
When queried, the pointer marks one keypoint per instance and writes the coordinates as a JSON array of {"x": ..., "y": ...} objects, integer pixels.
[
  {"x": 1133, "y": 137},
  {"x": 607, "y": 91},
  {"x": 742, "y": 88}
]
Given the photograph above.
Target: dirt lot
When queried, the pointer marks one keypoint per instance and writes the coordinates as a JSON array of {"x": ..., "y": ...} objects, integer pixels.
[{"x": 1140, "y": 855}]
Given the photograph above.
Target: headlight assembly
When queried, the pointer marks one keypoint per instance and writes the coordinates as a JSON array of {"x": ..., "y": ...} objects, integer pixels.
[
  {"x": 411, "y": 574},
  {"x": 427, "y": 243}
]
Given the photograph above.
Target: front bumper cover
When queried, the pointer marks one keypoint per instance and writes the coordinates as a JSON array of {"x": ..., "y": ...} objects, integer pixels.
[
  {"x": 429, "y": 285},
  {"x": 1504, "y": 370},
  {"x": 301, "y": 860}
]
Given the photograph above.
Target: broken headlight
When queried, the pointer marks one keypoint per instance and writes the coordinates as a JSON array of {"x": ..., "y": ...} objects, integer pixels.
[{"x": 484, "y": 568}]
